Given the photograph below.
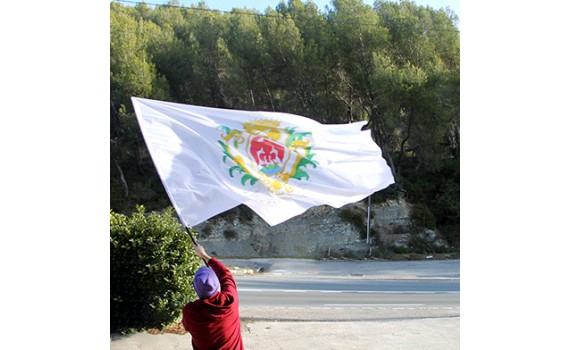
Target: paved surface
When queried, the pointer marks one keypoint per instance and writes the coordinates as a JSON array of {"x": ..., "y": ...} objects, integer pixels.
[
  {"x": 433, "y": 334},
  {"x": 441, "y": 333},
  {"x": 374, "y": 269}
]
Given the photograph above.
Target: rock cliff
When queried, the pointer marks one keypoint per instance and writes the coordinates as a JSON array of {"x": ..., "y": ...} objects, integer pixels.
[{"x": 320, "y": 232}]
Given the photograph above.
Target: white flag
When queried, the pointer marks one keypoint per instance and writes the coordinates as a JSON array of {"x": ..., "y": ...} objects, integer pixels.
[{"x": 278, "y": 164}]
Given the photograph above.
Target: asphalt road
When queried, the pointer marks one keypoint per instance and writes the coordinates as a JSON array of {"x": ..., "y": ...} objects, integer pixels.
[
  {"x": 333, "y": 292},
  {"x": 349, "y": 298},
  {"x": 346, "y": 285}
]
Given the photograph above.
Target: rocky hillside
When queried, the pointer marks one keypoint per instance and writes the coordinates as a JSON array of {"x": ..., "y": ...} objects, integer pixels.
[{"x": 321, "y": 232}]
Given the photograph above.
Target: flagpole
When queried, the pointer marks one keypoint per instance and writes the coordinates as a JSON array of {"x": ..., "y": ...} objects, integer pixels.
[
  {"x": 191, "y": 237},
  {"x": 195, "y": 243},
  {"x": 368, "y": 223}
]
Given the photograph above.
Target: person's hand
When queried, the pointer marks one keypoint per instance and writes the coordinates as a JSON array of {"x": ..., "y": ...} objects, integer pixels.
[{"x": 201, "y": 252}]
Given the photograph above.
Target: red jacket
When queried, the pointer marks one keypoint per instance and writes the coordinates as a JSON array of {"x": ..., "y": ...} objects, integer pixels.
[{"x": 214, "y": 322}]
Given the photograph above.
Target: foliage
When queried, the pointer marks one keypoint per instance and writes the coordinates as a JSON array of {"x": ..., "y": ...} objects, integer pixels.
[
  {"x": 418, "y": 245},
  {"x": 437, "y": 190},
  {"x": 207, "y": 230},
  {"x": 394, "y": 64},
  {"x": 230, "y": 233},
  {"x": 393, "y": 192},
  {"x": 242, "y": 213},
  {"x": 152, "y": 266},
  {"x": 357, "y": 218},
  {"x": 421, "y": 216}
]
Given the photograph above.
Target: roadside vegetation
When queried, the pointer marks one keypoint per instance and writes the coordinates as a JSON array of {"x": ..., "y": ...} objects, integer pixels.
[{"x": 152, "y": 267}]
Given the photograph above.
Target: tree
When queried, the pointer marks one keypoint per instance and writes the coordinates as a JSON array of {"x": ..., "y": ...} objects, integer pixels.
[
  {"x": 359, "y": 39},
  {"x": 422, "y": 92},
  {"x": 131, "y": 70},
  {"x": 133, "y": 73},
  {"x": 315, "y": 80},
  {"x": 249, "y": 54}
]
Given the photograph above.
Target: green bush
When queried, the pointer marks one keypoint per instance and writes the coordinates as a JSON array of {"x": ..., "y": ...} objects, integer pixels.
[
  {"x": 230, "y": 234},
  {"x": 207, "y": 231},
  {"x": 439, "y": 191},
  {"x": 420, "y": 246},
  {"x": 152, "y": 267},
  {"x": 242, "y": 213},
  {"x": 355, "y": 217},
  {"x": 421, "y": 216}
]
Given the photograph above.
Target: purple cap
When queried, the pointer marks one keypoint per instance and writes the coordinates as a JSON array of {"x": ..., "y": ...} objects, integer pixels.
[{"x": 206, "y": 282}]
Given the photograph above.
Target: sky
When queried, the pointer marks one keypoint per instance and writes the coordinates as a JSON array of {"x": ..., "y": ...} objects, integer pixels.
[{"x": 261, "y": 5}]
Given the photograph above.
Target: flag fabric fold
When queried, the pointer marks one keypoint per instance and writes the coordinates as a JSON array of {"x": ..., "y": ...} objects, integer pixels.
[{"x": 278, "y": 164}]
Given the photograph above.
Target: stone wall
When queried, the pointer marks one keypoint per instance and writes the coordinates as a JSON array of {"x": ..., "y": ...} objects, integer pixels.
[{"x": 318, "y": 233}]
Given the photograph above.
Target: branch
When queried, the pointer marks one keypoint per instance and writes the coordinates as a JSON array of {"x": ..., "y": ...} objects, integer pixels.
[{"x": 123, "y": 180}]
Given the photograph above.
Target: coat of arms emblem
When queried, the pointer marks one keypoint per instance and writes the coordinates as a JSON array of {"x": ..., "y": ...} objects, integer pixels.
[{"x": 266, "y": 152}]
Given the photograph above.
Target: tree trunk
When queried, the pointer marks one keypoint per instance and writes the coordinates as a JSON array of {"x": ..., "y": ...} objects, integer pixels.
[{"x": 123, "y": 180}]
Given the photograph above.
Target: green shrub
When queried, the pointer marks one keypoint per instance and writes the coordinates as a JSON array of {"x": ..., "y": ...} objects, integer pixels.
[
  {"x": 207, "y": 231},
  {"x": 439, "y": 190},
  {"x": 393, "y": 191},
  {"x": 422, "y": 217},
  {"x": 399, "y": 230},
  {"x": 230, "y": 234},
  {"x": 421, "y": 246},
  {"x": 246, "y": 213},
  {"x": 152, "y": 267},
  {"x": 242, "y": 213},
  {"x": 357, "y": 218}
]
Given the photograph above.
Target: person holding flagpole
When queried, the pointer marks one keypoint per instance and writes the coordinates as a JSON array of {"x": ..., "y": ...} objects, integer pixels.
[{"x": 213, "y": 320}]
